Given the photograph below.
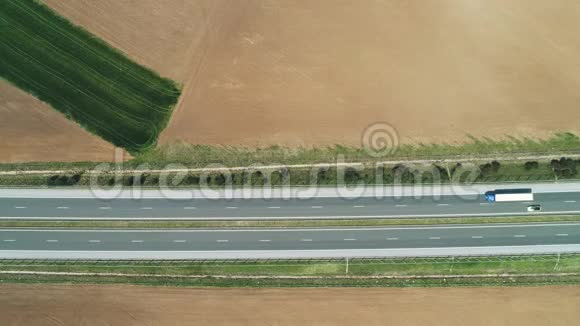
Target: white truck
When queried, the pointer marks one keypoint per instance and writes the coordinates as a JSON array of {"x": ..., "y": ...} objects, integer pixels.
[{"x": 509, "y": 195}]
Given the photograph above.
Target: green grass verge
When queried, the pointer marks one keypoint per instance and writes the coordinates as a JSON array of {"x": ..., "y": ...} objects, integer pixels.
[
  {"x": 83, "y": 77},
  {"x": 459, "y": 271},
  {"x": 286, "y": 223},
  {"x": 200, "y": 156}
]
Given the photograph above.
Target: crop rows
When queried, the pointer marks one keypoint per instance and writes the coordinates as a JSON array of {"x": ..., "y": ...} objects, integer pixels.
[{"x": 82, "y": 77}]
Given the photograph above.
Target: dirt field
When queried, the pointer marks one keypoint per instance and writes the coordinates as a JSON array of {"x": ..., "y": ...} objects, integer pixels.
[
  {"x": 318, "y": 72},
  {"x": 32, "y": 131},
  {"x": 258, "y": 72},
  {"x": 107, "y": 305}
]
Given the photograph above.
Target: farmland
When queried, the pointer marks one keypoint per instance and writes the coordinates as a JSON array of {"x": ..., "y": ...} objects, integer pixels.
[
  {"x": 82, "y": 77},
  {"x": 33, "y": 305},
  {"x": 313, "y": 74}
]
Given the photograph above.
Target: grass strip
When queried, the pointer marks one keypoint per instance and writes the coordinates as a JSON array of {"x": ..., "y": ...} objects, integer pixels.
[
  {"x": 287, "y": 223},
  {"x": 400, "y": 272},
  {"x": 201, "y": 156}
]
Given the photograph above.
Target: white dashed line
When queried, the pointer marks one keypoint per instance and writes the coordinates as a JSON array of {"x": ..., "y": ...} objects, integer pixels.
[
  {"x": 189, "y": 208},
  {"x": 306, "y": 240},
  {"x": 20, "y": 207},
  {"x": 222, "y": 240},
  {"x": 137, "y": 241},
  {"x": 9, "y": 240},
  {"x": 520, "y": 236},
  {"x": 435, "y": 238},
  {"x": 443, "y": 205},
  {"x": 400, "y": 205},
  {"x": 94, "y": 241},
  {"x": 359, "y": 206},
  {"x": 231, "y": 207},
  {"x": 265, "y": 240},
  {"x": 570, "y": 201},
  {"x": 51, "y": 240},
  {"x": 147, "y": 208},
  {"x": 349, "y": 239},
  {"x": 317, "y": 206},
  {"x": 62, "y": 207},
  {"x": 392, "y": 239},
  {"x": 562, "y": 235},
  {"x": 179, "y": 241},
  {"x": 483, "y": 204},
  {"x": 477, "y": 237},
  {"x": 274, "y": 207},
  {"x": 105, "y": 207}
]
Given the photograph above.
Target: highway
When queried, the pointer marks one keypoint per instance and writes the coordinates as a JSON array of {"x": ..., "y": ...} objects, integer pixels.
[
  {"x": 288, "y": 243},
  {"x": 79, "y": 204},
  {"x": 24, "y": 204}
]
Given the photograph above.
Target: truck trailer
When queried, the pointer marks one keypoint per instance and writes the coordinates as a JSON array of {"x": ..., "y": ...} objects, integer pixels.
[{"x": 509, "y": 195}]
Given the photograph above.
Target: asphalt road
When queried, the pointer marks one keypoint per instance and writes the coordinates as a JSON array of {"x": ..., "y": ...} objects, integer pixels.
[
  {"x": 323, "y": 207},
  {"x": 414, "y": 241}
]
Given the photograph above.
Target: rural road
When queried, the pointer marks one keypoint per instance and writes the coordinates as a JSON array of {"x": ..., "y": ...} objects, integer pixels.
[
  {"x": 289, "y": 243},
  {"x": 51, "y": 204}
]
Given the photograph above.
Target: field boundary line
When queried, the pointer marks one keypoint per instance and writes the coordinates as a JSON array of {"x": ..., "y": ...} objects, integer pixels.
[{"x": 289, "y": 277}]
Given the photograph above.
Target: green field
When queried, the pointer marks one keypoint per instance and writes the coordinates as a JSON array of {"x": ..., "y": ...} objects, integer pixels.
[{"x": 83, "y": 77}]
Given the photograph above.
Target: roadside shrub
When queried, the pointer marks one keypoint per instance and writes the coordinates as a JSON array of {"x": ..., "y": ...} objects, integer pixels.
[
  {"x": 495, "y": 165},
  {"x": 530, "y": 165},
  {"x": 564, "y": 167},
  {"x": 128, "y": 180},
  {"x": 192, "y": 180},
  {"x": 219, "y": 180},
  {"x": 351, "y": 176}
]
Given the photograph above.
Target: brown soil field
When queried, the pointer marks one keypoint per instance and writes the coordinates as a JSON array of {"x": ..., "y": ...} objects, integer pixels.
[
  {"x": 30, "y": 130},
  {"x": 259, "y": 72},
  {"x": 128, "y": 305}
]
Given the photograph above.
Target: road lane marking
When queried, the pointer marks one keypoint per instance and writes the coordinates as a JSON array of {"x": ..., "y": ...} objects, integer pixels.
[
  {"x": 222, "y": 240},
  {"x": 570, "y": 201},
  {"x": 94, "y": 241},
  {"x": 9, "y": 240},
  {"x": 274, "y": 207},
  {"x": 520, "y": 236},
  {"x": 137, "y": 241},
  {"x": 317, "y": 206},
  {"x": 189, "y": 208},
  {"x": 562, "y": 235},
  {"x": 104, "y": 207},
  {"x": 231, "y": 207},
  {"x": 385, "y": 229},
  {"x": 62, "y": 207},
  {"x": 349, "y": 239},
  {"x": 51, "y": 240},
  {"x": 359, "y": 206},
  {"x": 306, "y": 240},
  {"x": 20, "y": 207},
  {"x": 477, "y": 237},
  {"x": 434, "y": 238},
  {"x": 179, "y": 241},
  {"x": 392, "y": 239},
  {"x": 265, "y": 240},
  {"x": 443, "y": 205},
  {"x": 147, "y": 208},
  {"x": 401, "y": 205}
]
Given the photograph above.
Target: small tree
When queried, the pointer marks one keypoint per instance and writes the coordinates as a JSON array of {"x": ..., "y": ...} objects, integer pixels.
[{"x": 530, "y": 165}]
